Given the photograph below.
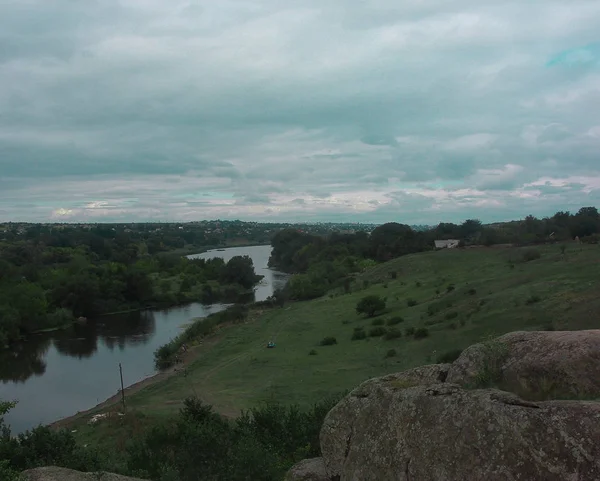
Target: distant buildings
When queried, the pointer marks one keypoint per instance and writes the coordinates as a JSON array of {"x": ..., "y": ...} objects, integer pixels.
[{"x": 446, "y": 244}]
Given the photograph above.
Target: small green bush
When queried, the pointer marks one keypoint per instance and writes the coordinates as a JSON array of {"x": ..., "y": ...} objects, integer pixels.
[
  {"x": 462, "y": 323},
  {"x": 328, "y": 341},
  {"x": 534, "y": 298},
  {"x": 358, "y": 334},
  {"x": 409, "y": 331},
  {"x": 370, "y": 305},
  {"x": 345, "y": 322},
  {"x": 392, "y": 321},
  {"x": 385, "y": 285},
  {"x": 451, "y": 315},
  {"x": 450, "y": 288},
  {"x": 421, "y": 333},
  {"x": 411, "y": 302},
  {"x": 448, "y": 356},
  {"x": 531, "y": 255},
  {"x": 377, "y": 322},
  {"x": 312, "y": 352},
  {"x": 377, "y": 331},
  {"x": 452, "y": 326},
  {"x": 391, "y": 353},
  {"x": 472, "y": 291},
  {"x": 393, "y": 274},
  {"x": 418, "y": 284},
  {"x": 392, "y": 333}
]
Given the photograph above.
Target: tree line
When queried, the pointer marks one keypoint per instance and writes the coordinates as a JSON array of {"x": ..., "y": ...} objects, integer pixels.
[
  {"x": 320, "y": 263},
  {"x": 47, "y": 282}
]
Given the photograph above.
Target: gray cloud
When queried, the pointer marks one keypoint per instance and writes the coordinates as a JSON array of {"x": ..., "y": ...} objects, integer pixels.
[{"x": 380, "y": 110}]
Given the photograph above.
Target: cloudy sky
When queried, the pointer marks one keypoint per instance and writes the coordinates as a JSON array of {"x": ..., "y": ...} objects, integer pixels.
[{"x": 414, "y": 111}]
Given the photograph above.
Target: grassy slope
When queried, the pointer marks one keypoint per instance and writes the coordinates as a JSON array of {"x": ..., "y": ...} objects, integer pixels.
[{"x": 236, "y": 371}]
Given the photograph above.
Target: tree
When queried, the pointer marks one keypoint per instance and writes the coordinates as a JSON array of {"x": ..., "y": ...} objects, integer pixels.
[
  {"x": 240, "y": 270},
  {"x": 370, "y": 305}
]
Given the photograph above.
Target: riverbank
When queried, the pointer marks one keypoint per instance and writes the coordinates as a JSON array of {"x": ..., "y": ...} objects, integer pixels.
[{"x": 454, "y": 298}]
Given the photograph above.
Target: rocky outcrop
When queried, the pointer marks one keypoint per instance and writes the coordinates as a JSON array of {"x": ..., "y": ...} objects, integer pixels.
[
  {"x": 535, "y": 365},
  {"x": 308, "y": 470},
  {"x": 429, "y": 424},
  {"x": 62, "y": 474}
]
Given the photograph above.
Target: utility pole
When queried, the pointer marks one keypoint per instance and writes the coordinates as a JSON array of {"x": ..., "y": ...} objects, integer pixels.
[{"x": 122, "y": 388}]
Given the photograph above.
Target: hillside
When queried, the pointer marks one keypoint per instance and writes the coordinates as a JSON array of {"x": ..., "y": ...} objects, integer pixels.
[{"x": 462, "y": 297}]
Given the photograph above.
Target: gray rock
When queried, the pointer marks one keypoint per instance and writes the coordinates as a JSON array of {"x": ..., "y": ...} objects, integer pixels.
[
  {"x": 536, "y": 365},
  {"x": 397, "y": 428},
  {"x": 308, "y": 470},
  {"x": 53, "y": 473}
]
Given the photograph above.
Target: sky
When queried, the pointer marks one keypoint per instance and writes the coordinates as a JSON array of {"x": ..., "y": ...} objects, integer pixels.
[{"x": 413, "y": 111}]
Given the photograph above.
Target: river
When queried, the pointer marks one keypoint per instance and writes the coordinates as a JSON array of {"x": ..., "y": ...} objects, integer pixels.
[{"x": 55, "y": 375}]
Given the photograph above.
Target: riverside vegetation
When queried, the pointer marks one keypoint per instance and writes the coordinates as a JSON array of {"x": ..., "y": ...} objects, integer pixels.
[{"x": 430, "y": 306}]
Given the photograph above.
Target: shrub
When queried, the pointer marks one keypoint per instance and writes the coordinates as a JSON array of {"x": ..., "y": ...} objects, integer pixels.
[
  {"x": 409, "y": 331},
  {"x": 345, "y": 321},
  {"x": 472, "y": 291},
  {"x": 312, "y": 352},
  {"x": 358, "y": 334},
  {"x": 462, "y": 323},
  {"x": 392, "y": 333},
  {"x": 450, "y": 288},
  {"x": 418, "y": 284},
  {"x": 370, "y": 305},
  {"x": 448, "y": 356},
  {"x": 411, "y": 302},
  {"x": 377, "y": 322},
  {"x": 531, "y": 255},
  {"x": 328, "y": 341},
  {"x": 534, "y": 298},
  {"x": 421, "y": 333},
  {"x": 377, "y": 331},
  {"x": 391, "y": 353},
  {"x": 452, "y": 325},
  {"x": 394, "y": 320},
  {"x": 385, "y": 285},
  {"x": 393, "y": 274},
  {"x": 451, "y": 315}
]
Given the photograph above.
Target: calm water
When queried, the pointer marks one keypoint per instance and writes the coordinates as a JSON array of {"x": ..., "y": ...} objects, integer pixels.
[{"x": 54, "y": 375}]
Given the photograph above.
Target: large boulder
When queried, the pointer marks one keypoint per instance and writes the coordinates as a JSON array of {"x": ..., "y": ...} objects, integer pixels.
[
  {"x": 312, "y": 469},
  {"x": 53, "y": 473},
  {"x": 392, "y": 430},
  {"x": 535, "y": 365}
]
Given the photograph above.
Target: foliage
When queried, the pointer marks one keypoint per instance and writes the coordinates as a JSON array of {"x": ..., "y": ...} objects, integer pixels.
[
  {"x": 328, "y": 341},
  {"x": 392, "y": 321},
  {"x": 358, "y": 334},
  {"x": 531, "y": 255},
  {"x": 421, "y": 333},
  {"x": 448, "y": 356},
  {"x": 377, "y": 322},
  {"x": 494, "y": 354},
  {"x": 533, "y": 299},
  {"x": 377, "y": 331},
  {"x": 409, "y": 331},
  {"x": 411, "y": 302},
  {"x": 370, "y": 305},
  {"x": 392, "y": 333},
  {"x": 391, "y": 353}
]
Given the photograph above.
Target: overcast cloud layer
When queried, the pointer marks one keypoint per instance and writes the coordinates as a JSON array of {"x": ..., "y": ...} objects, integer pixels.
[{"x": 414, "y": 111}]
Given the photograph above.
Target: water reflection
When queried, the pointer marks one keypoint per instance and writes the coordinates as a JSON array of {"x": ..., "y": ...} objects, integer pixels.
[
  {"x": 56, "y": 374},
  {"x": 25, "y": 360}
]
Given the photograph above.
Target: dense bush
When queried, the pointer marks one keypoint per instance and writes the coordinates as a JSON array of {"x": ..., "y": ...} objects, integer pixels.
[
  {"x": 328, "y": 341},
  {"x": 391, "y": 353},
  {"x": 409, "y": 331},
  {"x": 392, "y": 321},
  {"x": 358, "y": 334},
  {"x": 531, "y": 255},
  {"x": 377, "y": 322},
  {"x": 392, "y": 333},
  {"x": 533, "y": 299},
  {"x": 421, "y": 333},
  {"x": 370, "y": 305},
  {"x": 451, "y": 315},
  {"x": 411, "y": 302},
  {"x": 377, "y": 331}
]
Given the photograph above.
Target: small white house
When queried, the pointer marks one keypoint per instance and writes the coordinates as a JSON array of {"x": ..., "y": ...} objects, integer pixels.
[{"x": 446, "y": 244}]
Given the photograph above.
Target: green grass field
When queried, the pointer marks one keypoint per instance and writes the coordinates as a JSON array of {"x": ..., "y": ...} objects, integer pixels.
[{"x": 462, "y": 297}]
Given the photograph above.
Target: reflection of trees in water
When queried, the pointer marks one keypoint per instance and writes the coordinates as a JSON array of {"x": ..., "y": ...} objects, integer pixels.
[
  {"x": 24, "y": 359},
  {"x": 76, "y": 342},
  {"x": 128, "y": 329}
]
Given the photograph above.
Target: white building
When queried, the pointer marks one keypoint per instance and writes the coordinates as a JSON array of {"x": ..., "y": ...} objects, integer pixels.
[{"x": 446, "y": 244}]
